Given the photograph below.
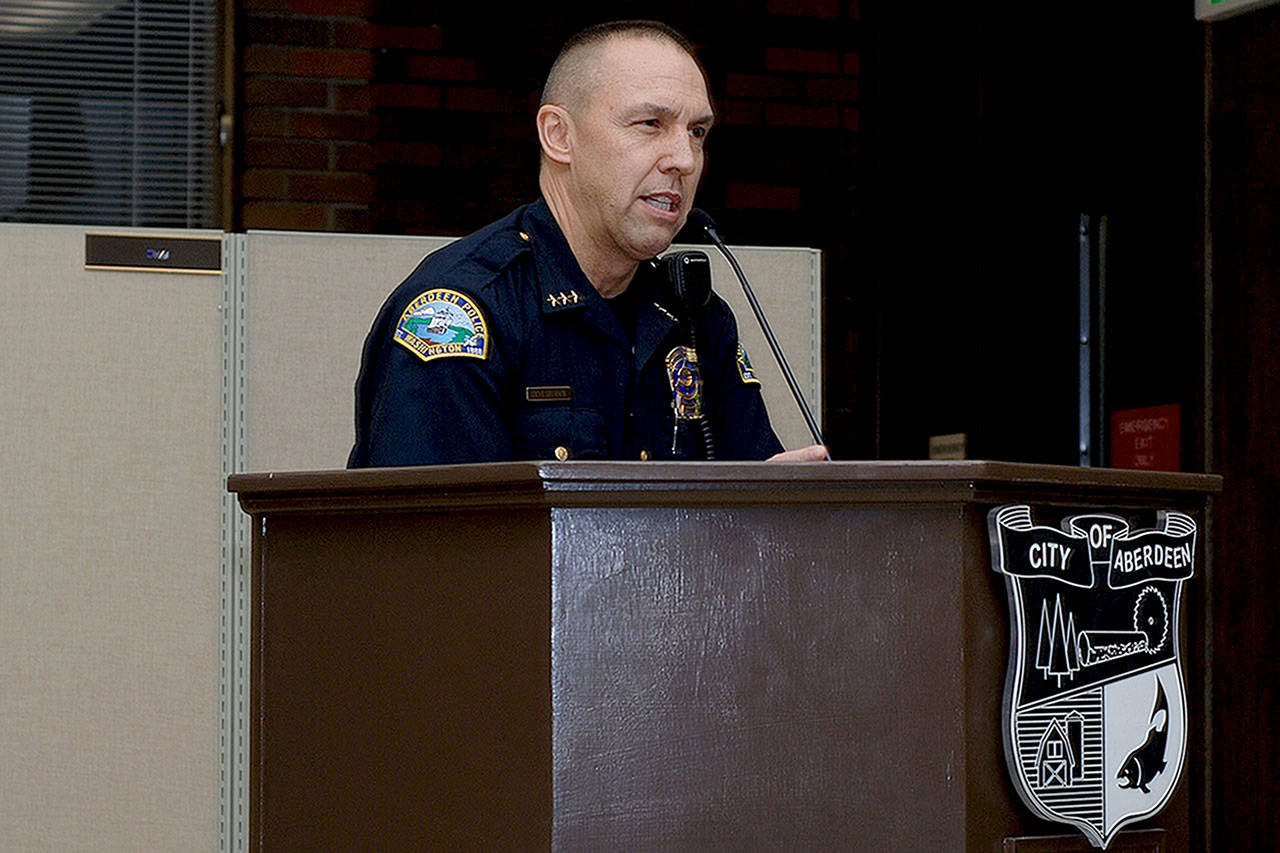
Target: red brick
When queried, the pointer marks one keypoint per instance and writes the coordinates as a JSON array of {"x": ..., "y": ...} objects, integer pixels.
[
  {"x": 266, "y": 121},
  {"x": 350, "y": 64},
  {"x": 407, "y": 95},
  {"x": 282, "y": 30},
  {"x": 348, "y": 8},
  {"x": 285, "y": 92},
  {"x": 798, "y": 59},
  {"x": 264, "y": 183},
  {"x": 352, "y": 220},
  {"x": 285, "y": 215},
  {"x": 832, "y": 89},
  {"x": 265, "y": 59},
  {"x": 359, "y": 97},
  {"x": 357, "y": 157},
  {"x": 795, "y": 115},
  {"x": 355, "y": 34},
  {"x": 408, "y": 153},
  {"x": 743, "y": 112},
  {"x": 330, "y": 186},
  {"x": 443, "y": 68},
  {"x": 807, "y": 8},
  {"x": 413, "y": 38},
  {"x": 851, "y": 63},
  {"x": 479, "y": 100},
  {"x": 265, "y": 5},
  {"x": 294, "y": 153},
  {"x": 514, "y": 126},
  {"x": 492, "y": 158},
  {"x": 855, "y": 10},
  {"x": 335, "y": 126},
  {"x": 759, "y": 86},
  {"x": 406, "y": 211},
  {"x": 762, "y": 197},
  {"x": 849, "y": 119}
]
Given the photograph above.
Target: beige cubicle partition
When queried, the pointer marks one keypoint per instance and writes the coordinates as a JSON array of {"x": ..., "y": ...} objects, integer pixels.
[
  {"x": 110, "y": 534},
  {"x": 312, "y": 297},
  {"x": 128, "y": 397}
]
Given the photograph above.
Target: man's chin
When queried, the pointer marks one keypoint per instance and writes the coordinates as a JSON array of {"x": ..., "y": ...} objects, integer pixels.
[{"x": 653, "y": 244}]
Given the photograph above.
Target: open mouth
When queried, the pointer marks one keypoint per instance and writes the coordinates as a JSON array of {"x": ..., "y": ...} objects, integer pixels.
[{"x": 665, "y": 202}]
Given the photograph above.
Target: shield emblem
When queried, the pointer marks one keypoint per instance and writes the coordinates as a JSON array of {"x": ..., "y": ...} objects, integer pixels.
[{"x": 1095, "y": 710}]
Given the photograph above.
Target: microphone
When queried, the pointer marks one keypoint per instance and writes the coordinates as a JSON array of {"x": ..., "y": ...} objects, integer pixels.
[{"x": 700, "y": 219}]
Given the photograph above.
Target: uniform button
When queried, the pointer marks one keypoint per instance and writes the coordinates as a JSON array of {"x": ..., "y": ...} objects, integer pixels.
[
  {"x": 644, "y": 456},
  {"x": 524, "y": 236},
  {"x": 562, "y": 453}
]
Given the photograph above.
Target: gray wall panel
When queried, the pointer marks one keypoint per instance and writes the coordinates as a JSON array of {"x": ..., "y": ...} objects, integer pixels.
[{"x": 109, "y": 544}]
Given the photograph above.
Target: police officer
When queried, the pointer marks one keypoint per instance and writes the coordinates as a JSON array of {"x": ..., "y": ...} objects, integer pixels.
[{"x": 552, "y": 333}]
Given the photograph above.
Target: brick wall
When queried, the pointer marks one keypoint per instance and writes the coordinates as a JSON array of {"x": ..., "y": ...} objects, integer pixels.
[
  {"x": 391, "y": 117},
  {"x": 360, "y": 115}
]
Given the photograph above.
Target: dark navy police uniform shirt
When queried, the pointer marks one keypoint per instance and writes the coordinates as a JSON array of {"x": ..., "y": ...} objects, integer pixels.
[{"x": 497, "y": 347}]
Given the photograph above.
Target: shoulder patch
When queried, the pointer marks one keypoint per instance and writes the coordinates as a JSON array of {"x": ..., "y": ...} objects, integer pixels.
[
  {"x": 443, "y": 323},
  {"x": 744, "y": 367}
]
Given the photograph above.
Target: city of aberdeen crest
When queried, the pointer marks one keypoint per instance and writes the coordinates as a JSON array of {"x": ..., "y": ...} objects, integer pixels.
[{"x": 1095, "y": 709}]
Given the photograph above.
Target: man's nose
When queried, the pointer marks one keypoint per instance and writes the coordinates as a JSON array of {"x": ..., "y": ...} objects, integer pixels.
[{"x": 681, "y": 155}]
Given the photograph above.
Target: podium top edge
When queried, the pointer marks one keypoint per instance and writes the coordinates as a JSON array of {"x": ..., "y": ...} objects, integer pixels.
[{"x": 556, "y": 483}]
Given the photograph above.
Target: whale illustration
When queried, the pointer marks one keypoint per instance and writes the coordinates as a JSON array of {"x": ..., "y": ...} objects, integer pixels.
[{"x": 1147, "y": 761}]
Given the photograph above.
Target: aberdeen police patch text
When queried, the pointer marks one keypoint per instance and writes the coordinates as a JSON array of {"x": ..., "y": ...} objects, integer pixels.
[{"x": 443, "y": 323}]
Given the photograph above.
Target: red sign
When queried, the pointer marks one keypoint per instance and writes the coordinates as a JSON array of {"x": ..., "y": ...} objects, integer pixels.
[{"x": 1149, "y": 438}]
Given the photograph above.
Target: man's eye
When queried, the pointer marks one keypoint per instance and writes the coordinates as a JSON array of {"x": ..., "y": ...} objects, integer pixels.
[{"x": 698, "y": 132}]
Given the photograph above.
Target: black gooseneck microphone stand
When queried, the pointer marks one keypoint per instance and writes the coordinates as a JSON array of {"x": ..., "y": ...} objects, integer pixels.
[{"x": 701, "y": 219}]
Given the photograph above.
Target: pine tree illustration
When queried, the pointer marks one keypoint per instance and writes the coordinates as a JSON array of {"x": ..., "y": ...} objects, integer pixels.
[
  {"x": 1060, "y": 657},
  {"x": 1043, "y": 641},
  {"x": 1073, "y": 658}
]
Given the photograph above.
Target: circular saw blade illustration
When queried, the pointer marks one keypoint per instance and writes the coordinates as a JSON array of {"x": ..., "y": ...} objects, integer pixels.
[{"x": 1149, "y": 635}]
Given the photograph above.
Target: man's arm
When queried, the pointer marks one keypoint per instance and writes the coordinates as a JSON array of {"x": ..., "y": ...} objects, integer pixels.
[
  {"x": 742, "y": 429},
  {"x": 436, "y": 413},
  {"x": 418, "y": 403},
  {"x": 812, "y": 453}
]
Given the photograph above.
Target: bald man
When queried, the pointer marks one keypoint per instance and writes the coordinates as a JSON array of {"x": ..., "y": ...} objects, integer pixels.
[{"x": 553, "y": 333}]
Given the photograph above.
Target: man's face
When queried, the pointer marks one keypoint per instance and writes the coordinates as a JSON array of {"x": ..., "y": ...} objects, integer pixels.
[{"x": 637, "y": 153}]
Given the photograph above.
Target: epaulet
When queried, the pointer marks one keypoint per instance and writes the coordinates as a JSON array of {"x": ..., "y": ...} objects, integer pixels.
[{"x": 475, "y": 261}]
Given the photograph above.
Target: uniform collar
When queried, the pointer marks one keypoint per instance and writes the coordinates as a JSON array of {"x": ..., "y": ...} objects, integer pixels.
[
  {"x": 565, "y": 289},
  {"x": 561, "y": 282},
  {"x": 655, "y": 319}
]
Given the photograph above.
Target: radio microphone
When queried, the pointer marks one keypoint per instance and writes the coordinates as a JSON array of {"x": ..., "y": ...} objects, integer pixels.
[{"x": 701, "y": 219}]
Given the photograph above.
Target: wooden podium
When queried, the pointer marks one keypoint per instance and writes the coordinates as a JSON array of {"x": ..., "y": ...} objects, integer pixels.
[{"x": 609, "y": 656}]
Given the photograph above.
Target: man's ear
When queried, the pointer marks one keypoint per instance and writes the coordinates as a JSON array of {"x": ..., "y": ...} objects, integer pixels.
[{"x": 554, "y": 130}]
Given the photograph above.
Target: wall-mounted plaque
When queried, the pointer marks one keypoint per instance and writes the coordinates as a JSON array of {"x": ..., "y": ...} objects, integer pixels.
[{"x": 158, "y": 253}]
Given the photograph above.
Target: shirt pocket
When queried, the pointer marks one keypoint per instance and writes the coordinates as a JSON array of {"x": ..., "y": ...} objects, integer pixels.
[{"x": 556, "y": 432}]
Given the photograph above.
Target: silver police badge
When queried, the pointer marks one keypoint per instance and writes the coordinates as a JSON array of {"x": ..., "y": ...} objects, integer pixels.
[{"x": 1095, "y": 710}]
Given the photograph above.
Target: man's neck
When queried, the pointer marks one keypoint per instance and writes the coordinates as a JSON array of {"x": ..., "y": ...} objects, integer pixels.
[{"x": 609, "y": 275}]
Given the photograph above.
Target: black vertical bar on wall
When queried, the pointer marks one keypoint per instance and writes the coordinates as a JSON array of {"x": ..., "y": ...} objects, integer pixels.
[
  {"x": 1101, "y": 425},
  {"x": 1092, "y": 422},
  {"x": 1085, "y": 427}
]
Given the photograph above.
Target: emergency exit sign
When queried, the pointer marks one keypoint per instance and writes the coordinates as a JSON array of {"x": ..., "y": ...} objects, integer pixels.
[
  {"x": 1216, "y": 10},
  {"x": 1149, "y": 438}
]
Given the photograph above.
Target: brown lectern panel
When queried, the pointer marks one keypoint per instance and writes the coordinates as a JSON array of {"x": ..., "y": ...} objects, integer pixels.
[
  {"x": 403, "y": 676},
  {"x": 726, "y": 678},
  {"x": 593, "y": 656}
]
